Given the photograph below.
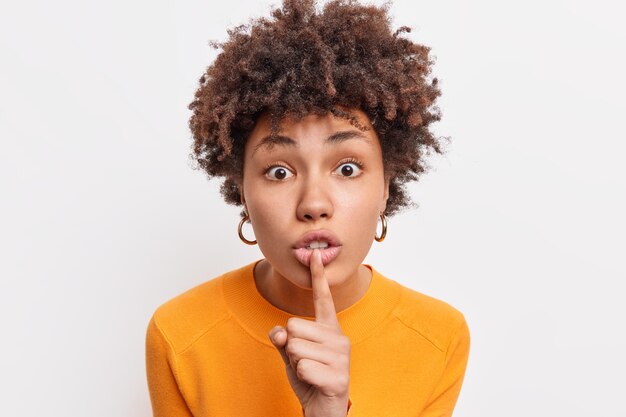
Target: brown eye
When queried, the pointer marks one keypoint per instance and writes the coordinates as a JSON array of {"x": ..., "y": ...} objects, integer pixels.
[
  {"x": 349, "y": 169},
  {"x": 278, "y": 173}
]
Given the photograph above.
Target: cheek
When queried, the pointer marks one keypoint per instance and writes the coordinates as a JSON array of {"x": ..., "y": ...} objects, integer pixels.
[
  {"x": 360, "y": 213},
  {"x": 363, "y": 200},
  {"x": 269, "y": 215}
]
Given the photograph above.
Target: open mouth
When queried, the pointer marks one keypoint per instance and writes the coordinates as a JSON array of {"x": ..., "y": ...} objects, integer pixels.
[
  {"x": 327, "y": 243},
  {"x": 317, "y": 245}
]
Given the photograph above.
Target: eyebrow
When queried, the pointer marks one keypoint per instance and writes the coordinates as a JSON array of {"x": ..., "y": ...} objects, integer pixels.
[{"x": 270, "y": 141}]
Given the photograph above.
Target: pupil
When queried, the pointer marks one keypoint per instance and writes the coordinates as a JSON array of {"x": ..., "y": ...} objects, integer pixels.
[
  {"x": 346, "y": 170},
  {"x": 280, "y": 173}
]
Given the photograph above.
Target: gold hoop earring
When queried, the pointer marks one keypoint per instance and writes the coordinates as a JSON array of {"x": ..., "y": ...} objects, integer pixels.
[
  {"x": 243, "y": 239},
  {"x": 383, "y": 220}
]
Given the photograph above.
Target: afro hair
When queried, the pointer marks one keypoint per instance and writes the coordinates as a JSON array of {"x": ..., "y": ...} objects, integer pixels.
[{"x": 304, "y": 61}]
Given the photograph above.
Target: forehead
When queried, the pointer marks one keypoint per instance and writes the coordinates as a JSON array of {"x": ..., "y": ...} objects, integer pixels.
[{"x": 311, "y": 128}]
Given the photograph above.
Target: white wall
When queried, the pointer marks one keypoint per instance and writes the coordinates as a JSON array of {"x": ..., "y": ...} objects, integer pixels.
[{"x": 520, "y": 226}]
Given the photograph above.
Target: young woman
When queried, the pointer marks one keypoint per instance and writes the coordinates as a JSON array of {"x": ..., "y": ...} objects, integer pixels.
[{"x": 315, "y": 121}]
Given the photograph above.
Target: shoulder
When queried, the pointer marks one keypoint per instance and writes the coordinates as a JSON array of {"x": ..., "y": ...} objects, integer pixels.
[
  {"x": 434, "y": 319},
  {"x": 186, "y": 317}
]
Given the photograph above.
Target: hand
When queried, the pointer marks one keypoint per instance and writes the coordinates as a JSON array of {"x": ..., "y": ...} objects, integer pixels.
[{"x": 317, "y": 353}]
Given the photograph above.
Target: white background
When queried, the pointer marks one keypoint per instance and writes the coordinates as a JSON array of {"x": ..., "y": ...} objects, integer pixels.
[{"x": 520, "y": 226}]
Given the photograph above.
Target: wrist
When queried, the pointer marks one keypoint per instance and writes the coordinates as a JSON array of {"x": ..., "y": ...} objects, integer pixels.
[{"x": 338, "y": 408}]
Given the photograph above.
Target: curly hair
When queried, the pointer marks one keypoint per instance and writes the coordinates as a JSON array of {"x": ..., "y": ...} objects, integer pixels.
[{"x": 302, "y": 62}]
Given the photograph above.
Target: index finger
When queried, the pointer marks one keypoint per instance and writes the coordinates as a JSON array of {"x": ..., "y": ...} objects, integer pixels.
[{"x": 322, "y": 297}]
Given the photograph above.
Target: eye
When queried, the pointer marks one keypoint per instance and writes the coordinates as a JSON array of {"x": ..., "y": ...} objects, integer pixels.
[
  {"x": 278, "y": 173},
  {"x": 349, "y": 169}
]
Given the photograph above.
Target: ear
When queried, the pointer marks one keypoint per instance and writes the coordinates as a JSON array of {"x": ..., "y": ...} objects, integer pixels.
[
  {"x": 243, "y": 198},
  {"x": 386, "y": 193}
]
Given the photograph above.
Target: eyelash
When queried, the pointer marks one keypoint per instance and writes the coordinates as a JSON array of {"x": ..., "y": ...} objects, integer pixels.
[
  {"x": 354, "y": 161},
  {"x": 273, "y": 164}
]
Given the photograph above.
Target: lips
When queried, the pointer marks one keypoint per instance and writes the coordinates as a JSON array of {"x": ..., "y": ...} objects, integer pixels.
[{"x": 319, "y": 238}]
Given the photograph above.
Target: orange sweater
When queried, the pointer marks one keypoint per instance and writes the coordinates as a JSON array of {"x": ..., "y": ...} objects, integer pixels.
[{"x": 208, "y": 354}]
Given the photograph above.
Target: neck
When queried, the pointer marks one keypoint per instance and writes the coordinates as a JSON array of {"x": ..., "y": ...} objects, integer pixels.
[{"x": 298, "y": 301}]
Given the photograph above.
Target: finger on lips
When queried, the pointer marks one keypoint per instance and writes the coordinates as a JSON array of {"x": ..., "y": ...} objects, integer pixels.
[
  {"x": 325, "y": 312},
  {"x": 302, "y": 343}
]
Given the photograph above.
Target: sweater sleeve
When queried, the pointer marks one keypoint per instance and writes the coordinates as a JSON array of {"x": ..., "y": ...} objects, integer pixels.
[
  {"x": 443, "y": 399},
  {"x": 165, "y": 395}
]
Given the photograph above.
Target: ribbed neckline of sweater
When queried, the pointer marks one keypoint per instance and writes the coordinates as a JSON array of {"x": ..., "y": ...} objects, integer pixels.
[{"x": 258, "y": 316}]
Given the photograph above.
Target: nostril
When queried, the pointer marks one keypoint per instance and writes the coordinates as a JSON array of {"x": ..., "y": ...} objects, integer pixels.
[{"x": 310, "y": 217}]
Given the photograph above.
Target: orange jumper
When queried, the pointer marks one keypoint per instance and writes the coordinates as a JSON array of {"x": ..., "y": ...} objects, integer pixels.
[{"x": 208, "y": 353}]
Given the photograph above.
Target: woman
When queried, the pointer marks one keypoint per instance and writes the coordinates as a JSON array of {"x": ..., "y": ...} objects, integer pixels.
[{"x": 315, "y": 121}]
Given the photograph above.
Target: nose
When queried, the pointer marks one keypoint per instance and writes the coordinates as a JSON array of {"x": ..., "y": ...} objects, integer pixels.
[{"x": 315, "y": 202}]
